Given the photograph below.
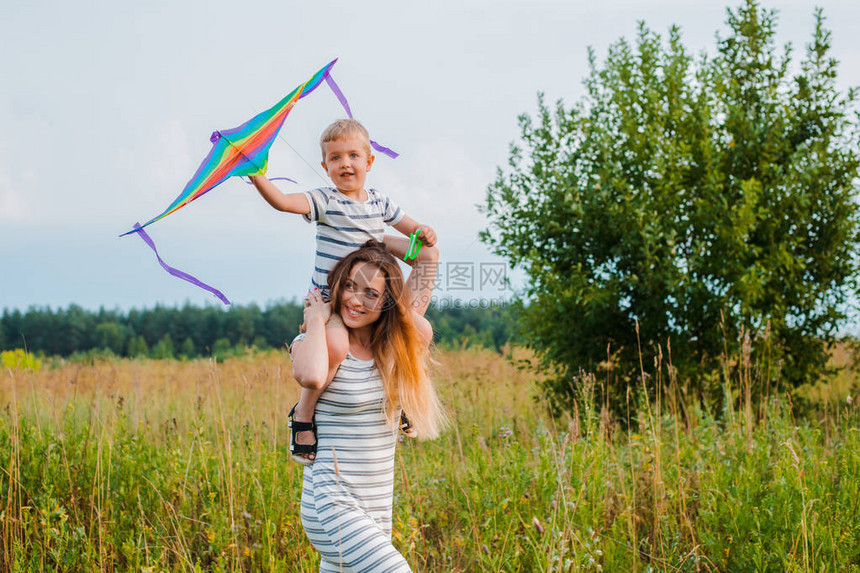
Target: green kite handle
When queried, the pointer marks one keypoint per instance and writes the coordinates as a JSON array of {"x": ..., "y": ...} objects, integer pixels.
[{"x": 414, "y": 246}]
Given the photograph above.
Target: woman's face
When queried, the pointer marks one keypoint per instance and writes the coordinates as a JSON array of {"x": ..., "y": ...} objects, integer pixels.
[{"x": 363, "y": 295}]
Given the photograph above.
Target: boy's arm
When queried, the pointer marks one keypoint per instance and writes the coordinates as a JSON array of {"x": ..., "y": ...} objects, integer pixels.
[
  {"x": 398, "y": 246},
  {"x": 287, "y": 202},
  {"x": 422, "y": 278},
  {"x": 407, "y": 225}
]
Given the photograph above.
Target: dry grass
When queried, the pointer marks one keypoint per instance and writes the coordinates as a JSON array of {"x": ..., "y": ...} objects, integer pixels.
[{"x": 183, "y": 466}]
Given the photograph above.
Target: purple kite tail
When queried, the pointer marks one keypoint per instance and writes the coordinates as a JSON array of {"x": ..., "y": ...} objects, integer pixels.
[
  {"x": 384, "y": 150},
  {"x": 338, "y": 94},
  {"x": 342, "y": 99},
  {"x": 176, "y": 272}
]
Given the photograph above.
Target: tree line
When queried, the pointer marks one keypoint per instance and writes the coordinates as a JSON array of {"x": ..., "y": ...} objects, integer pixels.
[{"x": 190, "y": 331}]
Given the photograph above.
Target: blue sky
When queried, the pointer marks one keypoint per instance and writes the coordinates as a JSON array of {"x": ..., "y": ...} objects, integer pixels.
[{"x": 106, "y": 110}]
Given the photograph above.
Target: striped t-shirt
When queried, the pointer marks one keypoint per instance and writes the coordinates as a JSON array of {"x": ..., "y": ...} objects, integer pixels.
[{"x": 343, "y": 225}]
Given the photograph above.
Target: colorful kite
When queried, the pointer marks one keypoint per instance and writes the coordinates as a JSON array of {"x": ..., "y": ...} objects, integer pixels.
[{"x": 243, "y": 150}]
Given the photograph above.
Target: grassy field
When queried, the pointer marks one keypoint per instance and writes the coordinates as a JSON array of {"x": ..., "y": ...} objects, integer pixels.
[{"x": 122, "y": 465}]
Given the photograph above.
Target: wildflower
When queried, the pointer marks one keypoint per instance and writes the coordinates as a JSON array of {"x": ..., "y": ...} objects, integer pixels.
[
  {"x": 849, "y": 399},
  {"x": 505, "y": 432}
]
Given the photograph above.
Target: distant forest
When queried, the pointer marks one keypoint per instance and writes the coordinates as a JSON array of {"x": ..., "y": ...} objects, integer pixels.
[{"x": 189, "y": 331}]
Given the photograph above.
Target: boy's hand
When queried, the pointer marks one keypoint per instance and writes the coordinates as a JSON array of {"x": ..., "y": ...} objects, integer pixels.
[{"x": 427, "y": 235}]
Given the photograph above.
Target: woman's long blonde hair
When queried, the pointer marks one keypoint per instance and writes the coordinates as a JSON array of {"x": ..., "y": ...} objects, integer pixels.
[{"x": 399, "y": 353}]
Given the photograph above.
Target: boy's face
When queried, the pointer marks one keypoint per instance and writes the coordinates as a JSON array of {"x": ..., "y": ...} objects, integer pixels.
[{"x": 347, "y": 161}]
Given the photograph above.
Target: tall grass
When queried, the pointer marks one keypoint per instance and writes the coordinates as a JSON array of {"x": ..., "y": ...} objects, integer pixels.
[{"x": 124, "y": 465}]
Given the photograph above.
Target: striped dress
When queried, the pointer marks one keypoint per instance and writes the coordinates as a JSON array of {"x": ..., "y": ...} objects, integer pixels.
[{"x": 347, "y": 491}]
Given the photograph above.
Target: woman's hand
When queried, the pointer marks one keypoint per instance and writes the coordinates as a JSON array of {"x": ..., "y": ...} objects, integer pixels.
[{"x": 316, "y": 308}]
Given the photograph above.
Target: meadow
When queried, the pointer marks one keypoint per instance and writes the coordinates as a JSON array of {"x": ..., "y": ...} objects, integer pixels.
[{"x": 168, "y": 465}]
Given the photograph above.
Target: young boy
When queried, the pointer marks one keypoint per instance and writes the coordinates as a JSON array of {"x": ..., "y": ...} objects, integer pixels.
[{"x": 346, "y": 217}]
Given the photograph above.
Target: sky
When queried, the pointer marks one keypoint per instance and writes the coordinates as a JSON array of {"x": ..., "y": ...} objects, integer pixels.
[{"x": 106, "y": 109}]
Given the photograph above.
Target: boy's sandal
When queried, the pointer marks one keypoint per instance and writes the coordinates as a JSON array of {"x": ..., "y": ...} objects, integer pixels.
[
  {"x": 406, "y": 426},
  {"x": 295, "y": 449}
]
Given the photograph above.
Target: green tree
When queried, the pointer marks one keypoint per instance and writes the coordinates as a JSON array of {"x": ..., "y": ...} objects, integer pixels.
[
  {"x": 700, "y": 198},
  {"x": 74, "y": 330},
  {"x": 282, "y": 322},
  {"x": 111, "y": 336},
  {"x": 163, "y": 349},
  {"x": 222, "y": 349},
  {"x": 188, "y": 350},
  {"x": 12, "y": 326},
  {"x": 137, "y": 347}
]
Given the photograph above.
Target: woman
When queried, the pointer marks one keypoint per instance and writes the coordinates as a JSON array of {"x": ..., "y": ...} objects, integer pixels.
[{"x": 347, "y": 492}]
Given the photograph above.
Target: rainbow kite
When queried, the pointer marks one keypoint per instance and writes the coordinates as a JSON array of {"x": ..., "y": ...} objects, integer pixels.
[{"x": 243, "y": 150}]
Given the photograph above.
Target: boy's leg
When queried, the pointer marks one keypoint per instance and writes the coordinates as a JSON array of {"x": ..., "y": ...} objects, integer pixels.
[
  {"x": 304, "y": 412},
  {"x": 337, "y": 343}
]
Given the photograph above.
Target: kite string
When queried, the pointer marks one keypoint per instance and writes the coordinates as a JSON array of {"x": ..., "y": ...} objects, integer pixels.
[
  {"x": 312, "y": 168},
  {"x": 273, "y": 179}
]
